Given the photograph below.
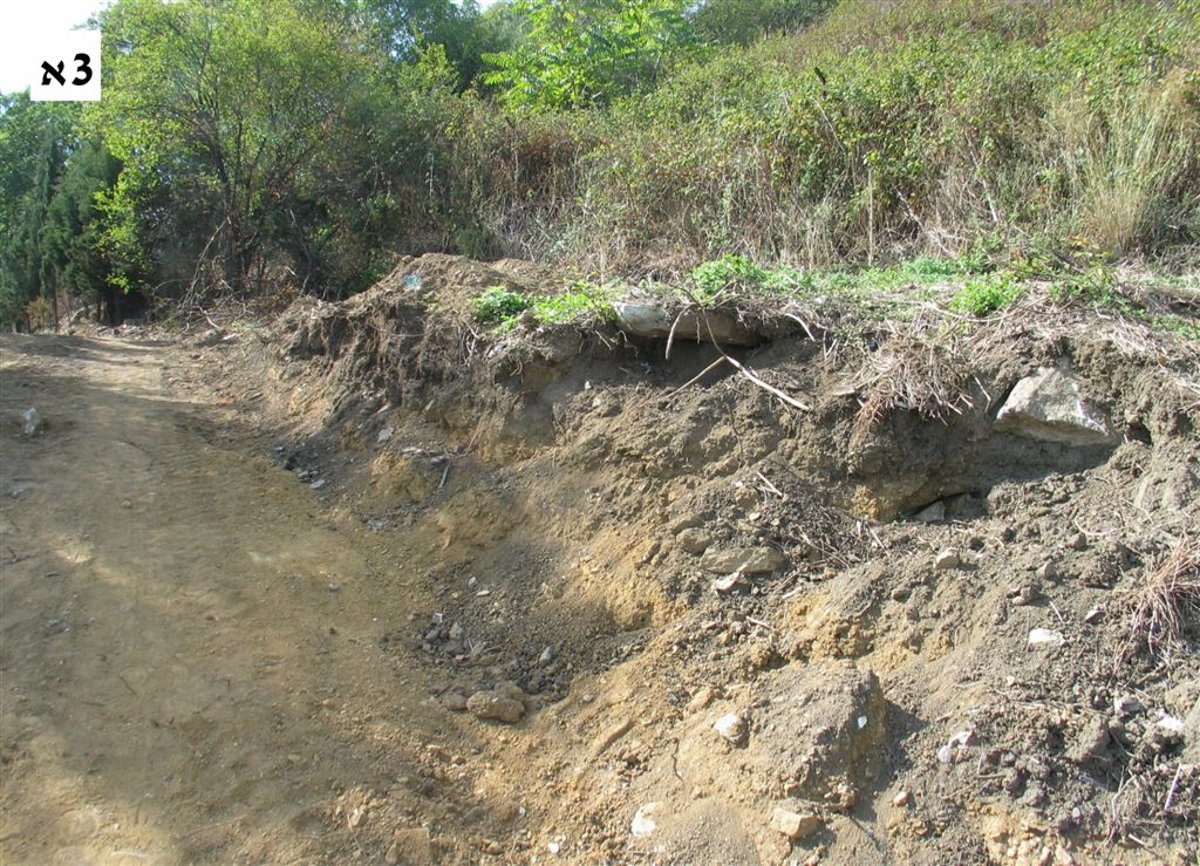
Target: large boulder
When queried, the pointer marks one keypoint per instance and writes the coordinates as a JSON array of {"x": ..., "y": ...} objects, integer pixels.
[
  {"x": 1050, "y": 406},
  {"x": 720, "y": 326}
]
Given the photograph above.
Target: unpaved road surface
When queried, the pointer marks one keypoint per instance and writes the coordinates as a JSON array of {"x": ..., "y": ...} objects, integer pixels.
[{"x": 189, "y": 659}]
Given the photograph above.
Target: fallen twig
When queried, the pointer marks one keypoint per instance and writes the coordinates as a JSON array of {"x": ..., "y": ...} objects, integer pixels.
[
  {"x": 771, "y": 389},
  {"x": 770, "y": 486},
  {"x": 125, "y": 683},
  {"x": 699, "y": 376},
  {"x": 1174, "y": 787}
]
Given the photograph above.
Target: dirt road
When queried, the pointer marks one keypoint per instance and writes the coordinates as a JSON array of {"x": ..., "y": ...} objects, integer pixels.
[{"x": 189, "y": 651}]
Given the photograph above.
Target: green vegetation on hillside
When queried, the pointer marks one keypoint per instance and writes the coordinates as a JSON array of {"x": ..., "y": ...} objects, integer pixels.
[{"x": 245, "y": 146}]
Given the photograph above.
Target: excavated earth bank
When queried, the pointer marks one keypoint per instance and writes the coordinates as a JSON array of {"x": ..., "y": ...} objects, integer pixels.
[{"x": 922, "y": 620}]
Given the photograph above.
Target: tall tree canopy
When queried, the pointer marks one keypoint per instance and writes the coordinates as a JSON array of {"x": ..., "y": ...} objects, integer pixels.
[
  {"x": 36, "y": 140},
  {"x": 582, "y": 52},
  {"x": 221, "y": 107}
]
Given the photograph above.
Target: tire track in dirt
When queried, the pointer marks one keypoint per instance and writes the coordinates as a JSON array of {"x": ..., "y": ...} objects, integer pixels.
[{"x": 189, "y": 660}]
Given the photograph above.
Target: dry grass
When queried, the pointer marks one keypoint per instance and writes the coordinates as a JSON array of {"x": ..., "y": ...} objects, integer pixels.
[
  {"x": 913, "y": 375},
  {"x": 1165, "y": 605},
  {"x": 1126, "y": 163},
  {"x": 1147, "y": 801}
]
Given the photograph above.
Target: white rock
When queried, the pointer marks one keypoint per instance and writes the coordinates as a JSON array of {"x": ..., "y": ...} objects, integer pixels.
[
  {"x": 959, "y": 740},
  {"x": 34, "y": 424},
  {"x": 643, "y": 822},
  {"x": 1169, "y": 723},
  {"x": 385, "y": 434},
  {"x": 731, "y": 727},
  {"x": 947, "y": 559},
  {"x": 728, "y": 583},
  {"x": 647, "y": 320},
  {"x": 1046, "y": 637}
]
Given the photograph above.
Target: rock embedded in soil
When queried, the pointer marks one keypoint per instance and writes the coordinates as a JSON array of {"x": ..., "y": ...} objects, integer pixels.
[
  {"x": 732, "y": 728},
  {"x": 795, "y": 825},
  {"x": 32, "y": 422},
  {"x": 498, "y": 704},
  {"x": 746, "y": 497},
  {"x": 933, "y": 513},
  {"x": 948, "y": 559},
  {"x": 1050, "y": 406},
  {"x": 728, "y": 583},
  {"x": 1046, "y": 637},
  {"x": 820, "y": 735},
  {"x": 747, "y": 560},
  {"x": 703, "y": 697},
  {"x": 694, "y": 541},
  {"x": 648, "y": 320},
  {"x": 686, "y": 521},
  {"x": 1022, "y": 594},
  {"x": 1127, "y": 706},
  {"x": 410, "y": 848},
  {"x": 1089, "y": 746},
  {"x": 643, "y": 823},
  {"x": 455, "y": 701}
]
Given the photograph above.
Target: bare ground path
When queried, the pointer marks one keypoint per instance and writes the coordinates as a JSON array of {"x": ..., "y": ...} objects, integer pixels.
[{"x": 189, "y": 660}]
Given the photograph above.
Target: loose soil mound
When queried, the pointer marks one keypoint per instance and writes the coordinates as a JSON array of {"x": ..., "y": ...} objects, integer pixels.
[
  {"x": 863, "y": 585},
  {"x": 666, "y": 616}
]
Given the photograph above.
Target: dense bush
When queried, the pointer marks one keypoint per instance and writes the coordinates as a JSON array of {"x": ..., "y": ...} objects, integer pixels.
[
  {"x": 663, "y": 134},
  {"x": 930, "y": 126}
]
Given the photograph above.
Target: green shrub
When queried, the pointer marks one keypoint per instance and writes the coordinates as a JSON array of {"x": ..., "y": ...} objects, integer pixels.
[
  {"x": 498, "y": 304},
  {"x": 581, "y": 300},
  {"x": 913, "y": 126},
  {"x": 728, "y": 275},
  {"x": 501, "y": 307},
  {"x": 984, "y": 296}
]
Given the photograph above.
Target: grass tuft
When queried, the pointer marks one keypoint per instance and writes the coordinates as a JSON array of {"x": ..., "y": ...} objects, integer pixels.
[{"x": 1167, "y": 603}]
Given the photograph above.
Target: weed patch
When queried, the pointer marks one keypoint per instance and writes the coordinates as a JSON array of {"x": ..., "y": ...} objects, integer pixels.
[
  {"x": 988, "y": 295},
  {"x": 500, "y": 307}
]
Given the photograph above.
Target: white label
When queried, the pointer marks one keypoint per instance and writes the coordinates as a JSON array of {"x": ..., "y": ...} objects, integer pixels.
[{"x": 65, "y": 67}]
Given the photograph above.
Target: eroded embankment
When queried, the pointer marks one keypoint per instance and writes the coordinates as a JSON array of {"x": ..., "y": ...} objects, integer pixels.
[{"x": 898, "y": 624}]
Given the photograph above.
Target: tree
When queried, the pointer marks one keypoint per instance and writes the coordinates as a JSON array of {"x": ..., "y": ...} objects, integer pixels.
[
  {"x": 74, "y": 236},
  {"x": 583, "y": 52},
  {"x": 215, "y": 108},
  {"x": 35, "y": 142}
]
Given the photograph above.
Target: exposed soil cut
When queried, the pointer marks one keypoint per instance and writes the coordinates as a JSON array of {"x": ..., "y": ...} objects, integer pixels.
[{"x": 376, "y": 585}]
